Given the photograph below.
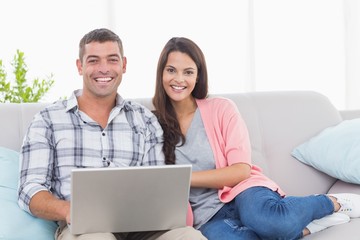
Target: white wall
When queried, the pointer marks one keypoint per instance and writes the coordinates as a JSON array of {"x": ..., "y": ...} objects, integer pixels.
[
  {"x": 250, "y": 45},
  {"x": 300, "y": 45},
  {"x": 219, "y": 28},
  {"x": 48, "y": 33}
]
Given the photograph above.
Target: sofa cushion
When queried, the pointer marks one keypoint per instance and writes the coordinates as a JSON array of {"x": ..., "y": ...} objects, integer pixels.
[
  {"x": 9, "y": 166},
  {"x": 277, "y": 123},
  {"x": 334, "y": 151},
  {"x": 28, "y": 227}
]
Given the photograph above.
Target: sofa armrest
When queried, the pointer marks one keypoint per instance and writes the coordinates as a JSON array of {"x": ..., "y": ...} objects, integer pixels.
[{"x": 350, "y": 114}]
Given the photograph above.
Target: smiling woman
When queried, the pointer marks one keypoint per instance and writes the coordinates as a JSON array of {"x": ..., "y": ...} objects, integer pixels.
[{"x": 249, "y": 45}]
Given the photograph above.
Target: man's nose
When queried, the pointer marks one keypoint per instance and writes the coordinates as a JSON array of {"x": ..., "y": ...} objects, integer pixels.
[{"x": 104, "y": 67}]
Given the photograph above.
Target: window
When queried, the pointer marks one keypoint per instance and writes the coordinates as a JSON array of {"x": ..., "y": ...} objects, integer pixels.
[{"x": 250, "y": 45}]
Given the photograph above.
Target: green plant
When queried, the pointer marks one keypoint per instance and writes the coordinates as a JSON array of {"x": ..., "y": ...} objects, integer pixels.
[{"x": 22, "y": 91}]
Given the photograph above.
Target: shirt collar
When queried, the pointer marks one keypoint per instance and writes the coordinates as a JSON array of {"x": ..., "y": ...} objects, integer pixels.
[{"x": 72, "y": 103}]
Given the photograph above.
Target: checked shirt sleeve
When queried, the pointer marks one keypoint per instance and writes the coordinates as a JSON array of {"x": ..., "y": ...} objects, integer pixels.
[{"x": 36, "y": 161}]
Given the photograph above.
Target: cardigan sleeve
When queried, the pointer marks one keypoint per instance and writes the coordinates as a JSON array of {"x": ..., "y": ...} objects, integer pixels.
[
  {"x": 229, "y": 138},
  {"x": 235, "y": 132},
  {"x": 226, "y": 130}
]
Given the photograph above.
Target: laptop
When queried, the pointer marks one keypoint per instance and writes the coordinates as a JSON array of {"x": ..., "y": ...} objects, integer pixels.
[{"x": 129, "y": 199}]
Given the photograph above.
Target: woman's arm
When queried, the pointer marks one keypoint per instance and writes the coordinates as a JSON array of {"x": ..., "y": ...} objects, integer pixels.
[{"x": 219, "y": 178}]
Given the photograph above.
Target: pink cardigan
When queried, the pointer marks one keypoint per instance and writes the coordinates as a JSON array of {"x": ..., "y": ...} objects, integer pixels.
[{"x": 229, "y": 140}]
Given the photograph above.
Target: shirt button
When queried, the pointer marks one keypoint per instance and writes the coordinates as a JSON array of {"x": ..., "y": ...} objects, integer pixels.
[
  {"x": 104, "y": 158},
  {"x": 103, "y": 134}
]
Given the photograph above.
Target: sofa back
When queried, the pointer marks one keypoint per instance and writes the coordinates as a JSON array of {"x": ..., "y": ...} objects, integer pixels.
[
  {"x": 14, "y": 121},
  {"x": 277, "y": 122}
]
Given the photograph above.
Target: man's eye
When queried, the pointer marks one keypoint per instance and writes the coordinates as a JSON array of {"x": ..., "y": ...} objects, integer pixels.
[{"x": 92, "y": 61}]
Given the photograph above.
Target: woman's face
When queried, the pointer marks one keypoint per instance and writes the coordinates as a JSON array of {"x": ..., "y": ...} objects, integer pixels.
[{"x": 179, "y": 76}]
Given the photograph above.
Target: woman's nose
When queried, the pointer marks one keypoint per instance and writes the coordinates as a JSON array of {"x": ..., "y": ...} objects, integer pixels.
[{"x": 179, "y": 79}]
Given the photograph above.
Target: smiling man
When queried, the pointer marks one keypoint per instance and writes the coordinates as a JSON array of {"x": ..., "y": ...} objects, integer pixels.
[{"x": 95, "y": 127}]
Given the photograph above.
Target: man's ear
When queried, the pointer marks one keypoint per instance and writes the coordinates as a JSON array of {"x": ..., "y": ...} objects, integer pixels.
[
  {"x": 124, "y": 60},
  {"x": 79, "y": 66}
]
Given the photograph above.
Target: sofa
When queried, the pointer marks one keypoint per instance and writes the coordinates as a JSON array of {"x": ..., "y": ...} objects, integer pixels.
[{"x": 278, "y": 122}]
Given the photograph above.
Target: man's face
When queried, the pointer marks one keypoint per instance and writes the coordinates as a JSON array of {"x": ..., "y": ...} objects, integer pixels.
[{"x": 102, "y": 68}]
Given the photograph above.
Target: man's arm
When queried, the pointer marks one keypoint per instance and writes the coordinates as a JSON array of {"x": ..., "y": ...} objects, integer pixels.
[
  {"x": 153, "y": 152},
  {"x": 44, "y": 205}
]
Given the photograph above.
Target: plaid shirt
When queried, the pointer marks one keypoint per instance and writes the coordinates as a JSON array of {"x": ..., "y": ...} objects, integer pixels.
[{"x": 61, "y": 138}]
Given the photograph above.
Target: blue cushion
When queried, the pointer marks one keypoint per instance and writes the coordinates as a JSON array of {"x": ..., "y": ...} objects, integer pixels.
[
  {"x": 9, "y": 167},
  {"x": 14, "y": 222},
  {"x": 334, "y": 151}
]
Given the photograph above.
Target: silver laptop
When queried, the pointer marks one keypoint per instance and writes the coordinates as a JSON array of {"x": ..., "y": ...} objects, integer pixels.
[{"x": 129, "y": 199}]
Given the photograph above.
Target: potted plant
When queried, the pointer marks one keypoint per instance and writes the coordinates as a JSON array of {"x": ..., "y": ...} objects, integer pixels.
[{"x": 22, "y": 90}]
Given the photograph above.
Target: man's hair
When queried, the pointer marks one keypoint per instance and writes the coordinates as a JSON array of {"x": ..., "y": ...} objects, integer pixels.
[{"x": 99, "y": 35}]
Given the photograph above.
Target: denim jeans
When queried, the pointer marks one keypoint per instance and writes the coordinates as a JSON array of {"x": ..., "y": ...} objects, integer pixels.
[{"x": 260, "y": 213}]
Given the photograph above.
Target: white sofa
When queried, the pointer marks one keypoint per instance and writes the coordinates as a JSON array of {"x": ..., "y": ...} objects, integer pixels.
[{"x": 277, "y": 122}]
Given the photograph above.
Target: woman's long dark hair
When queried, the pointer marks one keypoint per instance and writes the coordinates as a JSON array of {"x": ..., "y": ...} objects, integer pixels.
[{"x": 163, "y": 107}]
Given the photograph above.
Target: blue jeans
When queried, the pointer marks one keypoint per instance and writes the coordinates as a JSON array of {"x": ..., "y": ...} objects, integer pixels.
[{"x": 260, "y": 213}]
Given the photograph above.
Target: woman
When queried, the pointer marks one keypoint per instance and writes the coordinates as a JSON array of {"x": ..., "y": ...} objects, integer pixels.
[{"x": 230, "y": 197}]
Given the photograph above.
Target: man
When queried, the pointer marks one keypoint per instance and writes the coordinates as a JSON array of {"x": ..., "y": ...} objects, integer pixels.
[{"x": 95, "y": 127}]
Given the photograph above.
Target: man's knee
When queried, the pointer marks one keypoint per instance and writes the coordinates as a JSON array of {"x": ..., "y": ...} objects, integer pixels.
[
  {"x": 65, "y": 234},
  {"x": 184, "y": 233},
  {"x": 93, "y": 236}
]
